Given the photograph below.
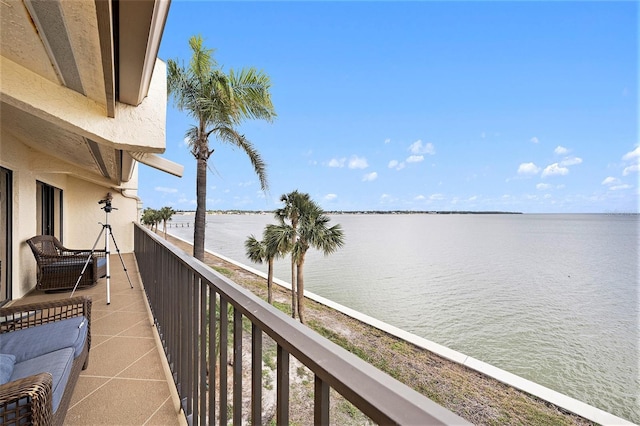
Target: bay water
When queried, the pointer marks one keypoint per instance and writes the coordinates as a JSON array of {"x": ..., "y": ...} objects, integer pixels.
[{"x": 551, "y": 298}]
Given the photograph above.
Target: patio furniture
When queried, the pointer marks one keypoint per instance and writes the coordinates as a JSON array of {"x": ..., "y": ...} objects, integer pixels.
[
  {"x": 59, "y": 267},
  {"x": 44, "y": 347}
]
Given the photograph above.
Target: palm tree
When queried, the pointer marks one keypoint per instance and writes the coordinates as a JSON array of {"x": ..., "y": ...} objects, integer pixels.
[
  {"x": 295, "y": 204},
  {"x": 150, "y": 217},
  {"x": 218, "y": 102},
  {"x": 307, "y": 229},
  {"x": 165, "y": 214},
  {"x": 266, "y": 250},
  {"x": 314, "y": 232}
]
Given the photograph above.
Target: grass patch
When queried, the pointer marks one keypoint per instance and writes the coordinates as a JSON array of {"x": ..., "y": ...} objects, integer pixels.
[{"x": 224, "y": 271}]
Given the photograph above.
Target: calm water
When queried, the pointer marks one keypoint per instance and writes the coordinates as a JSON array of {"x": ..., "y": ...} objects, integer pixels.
[{"x": 552, "y": 298}]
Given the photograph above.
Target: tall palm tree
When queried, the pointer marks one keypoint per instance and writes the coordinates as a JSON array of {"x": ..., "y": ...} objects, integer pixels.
[
  {"x": 165, "y": 214},
  {"x": 307, "y": 228},
  {"x": 267, "y": 250},
  {"x": 218, "y": 102}
]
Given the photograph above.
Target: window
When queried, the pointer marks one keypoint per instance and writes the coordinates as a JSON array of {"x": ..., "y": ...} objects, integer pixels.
[{"x": 49, "y": 208}]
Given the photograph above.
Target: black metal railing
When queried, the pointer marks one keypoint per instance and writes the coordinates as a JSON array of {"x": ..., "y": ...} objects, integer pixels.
[{"x": 193, "y": 307}]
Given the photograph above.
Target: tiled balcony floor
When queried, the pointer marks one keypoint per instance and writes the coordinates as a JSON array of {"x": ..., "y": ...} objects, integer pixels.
[{"x": 126, "y": 381}]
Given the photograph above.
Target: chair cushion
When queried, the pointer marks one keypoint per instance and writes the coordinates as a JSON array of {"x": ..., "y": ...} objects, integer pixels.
[
  {"x": 39, "y": 340},
  {"x": 7, "y": 362},
  {"x": 57, "y": 363}
]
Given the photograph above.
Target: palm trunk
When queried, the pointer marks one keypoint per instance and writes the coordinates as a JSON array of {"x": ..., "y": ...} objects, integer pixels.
[
  {"x": 301, "y": 289},
  {"x": 201, "y": 209},
  {"x": 270, "y": 282},
  {"x": 293, "y": 288}
]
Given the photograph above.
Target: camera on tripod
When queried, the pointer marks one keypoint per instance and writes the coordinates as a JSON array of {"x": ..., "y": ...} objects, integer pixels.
[
  {"x": 107, "y": 202},
  {"x": 108, "y": 232}
]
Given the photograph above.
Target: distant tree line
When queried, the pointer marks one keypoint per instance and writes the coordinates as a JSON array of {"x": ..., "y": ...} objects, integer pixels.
[{"x": 152, "y": 217}]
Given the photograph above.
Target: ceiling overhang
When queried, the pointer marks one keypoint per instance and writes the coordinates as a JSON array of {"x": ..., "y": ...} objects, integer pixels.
[{"x": 81, "y": 82}]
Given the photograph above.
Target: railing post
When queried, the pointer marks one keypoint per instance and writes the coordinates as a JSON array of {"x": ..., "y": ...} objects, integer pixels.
[
  {"x": 224, "y": 345},
  {"x": 237, "y": 367},
  {"x": 203, "y": 352},
  {"x": 256, "y": 375},
  {"x": 321, "y": 403},
  {"x": 282, "y": 387},
  {"x": 212, "y": 356}
]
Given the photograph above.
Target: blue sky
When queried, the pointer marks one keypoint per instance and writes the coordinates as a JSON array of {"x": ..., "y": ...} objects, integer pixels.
[{"x": 511, "y": 106}]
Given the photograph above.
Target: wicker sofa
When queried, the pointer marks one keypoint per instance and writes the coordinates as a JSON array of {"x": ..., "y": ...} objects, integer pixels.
[
  {"x": 43, "y": 348},
  {"x": 59, "y": 267}
]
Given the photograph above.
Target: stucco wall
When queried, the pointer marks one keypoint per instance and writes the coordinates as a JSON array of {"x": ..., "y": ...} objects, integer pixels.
[{"x": 81, "y": 211}]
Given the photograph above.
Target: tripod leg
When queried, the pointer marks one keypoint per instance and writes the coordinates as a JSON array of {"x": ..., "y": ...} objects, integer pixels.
[
  {"x": 121, "y": 259},
  {"x": 93, "y": 249}
]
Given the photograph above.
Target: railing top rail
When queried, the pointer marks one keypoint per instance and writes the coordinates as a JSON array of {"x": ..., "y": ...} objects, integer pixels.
[{"x": 381, "y": 397}]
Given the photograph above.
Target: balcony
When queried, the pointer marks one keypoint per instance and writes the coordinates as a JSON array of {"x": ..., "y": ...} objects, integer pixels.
[
  {"x": 150, "y": 364},
  {"x": 125, "y": 382}
]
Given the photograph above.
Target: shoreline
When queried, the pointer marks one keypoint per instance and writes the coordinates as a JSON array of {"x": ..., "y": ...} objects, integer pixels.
[{"x": 549, "y": 396}]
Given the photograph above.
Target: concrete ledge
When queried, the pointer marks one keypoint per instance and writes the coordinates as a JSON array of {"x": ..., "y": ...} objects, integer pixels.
[{"x": 563, "y": 401}]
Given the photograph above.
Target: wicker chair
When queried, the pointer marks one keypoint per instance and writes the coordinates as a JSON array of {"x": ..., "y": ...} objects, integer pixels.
[{"x": 60, "y": 267}]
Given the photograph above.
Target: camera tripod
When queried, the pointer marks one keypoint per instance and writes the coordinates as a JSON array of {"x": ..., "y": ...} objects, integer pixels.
[{"x": 108, "y": 232}]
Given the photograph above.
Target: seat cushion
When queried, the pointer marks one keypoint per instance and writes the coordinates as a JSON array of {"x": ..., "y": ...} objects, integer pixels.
[
  {"x": 7, "y": 361},
  {"x": 57, "y": 363},
  {"x": 35, "y": 341}
]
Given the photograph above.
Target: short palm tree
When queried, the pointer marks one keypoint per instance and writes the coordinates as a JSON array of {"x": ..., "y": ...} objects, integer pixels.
[
  {"x": 295, "y": 204},
  {"x": 310, "y": 231},
  {"x": 266, "y": 250},
  {"x": 165, "y": 215},
  {"x": 150, "y": 217},
  {"x": 218, "y": 102}
]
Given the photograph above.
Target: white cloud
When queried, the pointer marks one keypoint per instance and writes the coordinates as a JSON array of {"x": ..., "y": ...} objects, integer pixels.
[
  {"x": 395, "y": 164},
  {"x": 387, "y": 199},
  {"x": 165, "y": 189},
  {"x": 554, "y": 169},
  {"x": 483, "y": 135},
  {"x": 610, "y": 180},
  {"x": 370, "y": 177},
  {"x": 472, "y": 198},
  {"x": 356, "y": 162},
  {"x": 387, "y": 140},
  {"x": 543, "y": 186},
  {"x": 415, "y": 158},
  {"x": 571, "y": 161},
  {"x": 436, "y": 197},
  {"x": 418, "y": 148},
  {"x": 561, "y": 150},
  {"x": 420, "y": 198},
  {"x": 534, "y": 140},
  {"x": 632, "y": 155},
  {"x": 619, "y": 187},
  {"x": 631, "y": 169},
  {"x": 330, "y": 197},
  {"x": 528, "y": 169},
  {"x": 337, "y": 162}
]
